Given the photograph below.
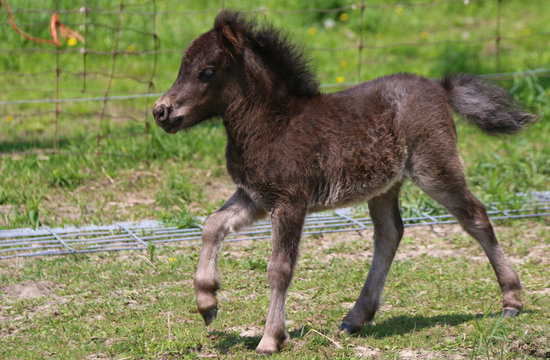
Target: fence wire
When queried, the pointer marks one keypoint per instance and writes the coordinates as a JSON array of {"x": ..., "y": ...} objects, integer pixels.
[
  {"x": 53, "y": 97},
  {"x": 143, "y": 236}
]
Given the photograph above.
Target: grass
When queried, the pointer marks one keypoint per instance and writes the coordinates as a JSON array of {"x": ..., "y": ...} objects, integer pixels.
[
  {"x": 135, "y": 173},
  {"x": 131, "y": 305}
]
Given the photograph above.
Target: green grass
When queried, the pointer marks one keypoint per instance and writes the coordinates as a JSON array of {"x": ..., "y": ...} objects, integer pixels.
[
  {"x": 127, "y": 305},
  {"x": 136, "y": 173}
]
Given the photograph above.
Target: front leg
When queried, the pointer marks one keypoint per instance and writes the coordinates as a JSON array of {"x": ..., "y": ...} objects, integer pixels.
[
  {"x": 287, "y": 222},
  {"x": 239, "y": 211}
]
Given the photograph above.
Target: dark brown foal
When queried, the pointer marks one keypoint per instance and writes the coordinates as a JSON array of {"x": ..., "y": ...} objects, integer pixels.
[{"x": 292, "y": 150}]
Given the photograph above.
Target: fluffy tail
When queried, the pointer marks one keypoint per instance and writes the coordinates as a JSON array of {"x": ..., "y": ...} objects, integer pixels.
[{"x": 485, "y": 104}]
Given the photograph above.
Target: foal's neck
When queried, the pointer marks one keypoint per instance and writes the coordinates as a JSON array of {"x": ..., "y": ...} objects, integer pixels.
[{"x": 257, "y": 117}]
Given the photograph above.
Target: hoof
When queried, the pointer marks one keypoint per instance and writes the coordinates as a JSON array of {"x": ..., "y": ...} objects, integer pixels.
[
  {"x": 263, "y": 350},
  {"x": 268, "y": 346},
  {"x": 210, "y": 315},
  {"x": 510, "y": 312},
  {"x": 350, "y": 329}
]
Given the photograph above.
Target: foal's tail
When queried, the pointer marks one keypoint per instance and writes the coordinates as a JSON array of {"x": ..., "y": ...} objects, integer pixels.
[{"x": 487, "y": 105}]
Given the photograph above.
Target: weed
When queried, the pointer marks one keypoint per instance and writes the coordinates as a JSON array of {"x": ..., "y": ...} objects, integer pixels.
[
  {"x": 489, "y": 337},
  {"x": 151, "y": 249}
]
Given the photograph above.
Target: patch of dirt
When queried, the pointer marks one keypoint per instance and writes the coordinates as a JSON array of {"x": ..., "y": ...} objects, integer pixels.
[
  {"x": 99, "y": 356},
  {"x": 366, "y": 352},
  {"x": 442, "y": 241},
  {"x": 248, "y": 331},
  {"x": 6, "y": 209},
  {"x": 117, "y": 201},
  {"x": 545, "y": 292},
  {"x": 537, "y": 347},
  {"x": 28, "y": 290},
  {"x": 538, "y": 254},
  {"x": 421, "y": 354}
]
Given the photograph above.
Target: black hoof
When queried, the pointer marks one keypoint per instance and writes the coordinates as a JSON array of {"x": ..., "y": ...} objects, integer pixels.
[
  {"x": 510, "y": 312},
  {"x": 210, "y": 315},
  {"x": 349, "y": 328}
]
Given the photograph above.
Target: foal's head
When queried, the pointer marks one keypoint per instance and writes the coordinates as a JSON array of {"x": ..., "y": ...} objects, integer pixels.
[{"x": 233, "y": 64}]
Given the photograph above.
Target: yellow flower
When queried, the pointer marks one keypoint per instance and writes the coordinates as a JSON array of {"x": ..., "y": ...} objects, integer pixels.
[
  {"x": 424, "y": 34},
  {"x": 9, "y": 119},
  {"x": 527, "y": 32},
  {"x": 343, "y": 17},
  {"x": 72, "y": 41},
  {"x": 130, "y": 48},
  {"x": 399, "y": 10},
  {"x": 343, "y": 63},
  {"x": 312, "y": 30},
  {"x": 172, "y": 259},
  {"x": 340, "y": 79},
  {"x": 548, "y": 93},
  {"x": 378, "y": 36}
]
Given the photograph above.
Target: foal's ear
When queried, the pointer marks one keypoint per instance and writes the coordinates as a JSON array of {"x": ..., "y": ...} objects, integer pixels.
[{"x": 230, "y": 37}]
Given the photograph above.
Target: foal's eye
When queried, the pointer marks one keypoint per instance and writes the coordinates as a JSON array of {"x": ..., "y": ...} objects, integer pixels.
[{"x": 207, "y": 75}]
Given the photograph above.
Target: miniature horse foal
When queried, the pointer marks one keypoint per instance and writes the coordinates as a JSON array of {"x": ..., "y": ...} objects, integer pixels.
[{"x": 292, "y": 150}]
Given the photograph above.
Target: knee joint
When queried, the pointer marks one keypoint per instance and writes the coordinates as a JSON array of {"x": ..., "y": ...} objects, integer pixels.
[
  {"x": 279, "y": 274},
  {"x": 213, "y": 228}
]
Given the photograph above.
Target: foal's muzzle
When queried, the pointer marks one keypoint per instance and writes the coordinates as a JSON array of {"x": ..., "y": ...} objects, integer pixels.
[{"x": 161, "y": 113}]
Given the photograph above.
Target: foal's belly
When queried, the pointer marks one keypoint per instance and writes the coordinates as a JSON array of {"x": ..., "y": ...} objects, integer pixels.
[{"x": 342, "y": 193}]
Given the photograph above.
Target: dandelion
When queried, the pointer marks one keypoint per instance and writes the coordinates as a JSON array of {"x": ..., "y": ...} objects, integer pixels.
[
  {"x": 378, "y": 36},
  {"x": 343, "y": 63},
  {"x": 424, "y": 34},
  {"x": 399, "y": 10},
  {"x": 340, "y": 79},
  {"x": 343, "y": 17},
  {"x": 548, "y": 92},
  {"x": 72, "y": 41},
  {"x": 172, "y": 259},
  {"x": 130, "y": 48},
  {"x": 9, "y": 119},
  {"x": 312, "y": 30},
  {"x": 329, "y": 24},
  {"x": 527, "y": 32}
]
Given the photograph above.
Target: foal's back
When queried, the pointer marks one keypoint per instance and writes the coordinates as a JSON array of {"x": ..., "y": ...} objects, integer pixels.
[
  {"x": 365, "y": 139},
  {"x": 406, "y": 103}
]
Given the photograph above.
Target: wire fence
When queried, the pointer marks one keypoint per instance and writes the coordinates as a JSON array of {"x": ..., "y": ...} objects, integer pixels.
[
  {"x": 146, "y": 235},
  {"x": 125, "y": 52}
]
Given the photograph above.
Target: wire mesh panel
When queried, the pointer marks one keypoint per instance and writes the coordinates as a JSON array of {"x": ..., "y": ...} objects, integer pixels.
[{"x": 144, "y": 235}]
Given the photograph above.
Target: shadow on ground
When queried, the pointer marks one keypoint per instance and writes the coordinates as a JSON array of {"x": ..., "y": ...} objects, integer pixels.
[
  {"x": 397, "y": 325},
  {"x": 402, "y": 324},
  {"x": 227, "y": 340}
]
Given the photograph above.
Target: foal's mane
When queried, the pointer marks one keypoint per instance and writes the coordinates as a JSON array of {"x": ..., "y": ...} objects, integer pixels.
[{"x": 284, "y": 58}]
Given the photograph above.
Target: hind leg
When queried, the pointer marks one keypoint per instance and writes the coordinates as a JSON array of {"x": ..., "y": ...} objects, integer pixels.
[
  {"x": 446, "y": 184},
  {"x": 388, "y": 230}
]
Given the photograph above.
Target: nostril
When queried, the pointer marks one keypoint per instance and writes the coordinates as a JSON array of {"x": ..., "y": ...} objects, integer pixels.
[{"x": 161, "y": 113}]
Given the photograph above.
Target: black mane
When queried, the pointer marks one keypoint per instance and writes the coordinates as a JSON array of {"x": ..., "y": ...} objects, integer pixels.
[{"x": 285, "y": 59}]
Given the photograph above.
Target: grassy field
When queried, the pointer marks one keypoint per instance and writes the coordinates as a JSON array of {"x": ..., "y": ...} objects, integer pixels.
[
  {"x": 132, "y": 175},
  {"x": 129, "y": 305},
  {"x": 125, "y": 306}
]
